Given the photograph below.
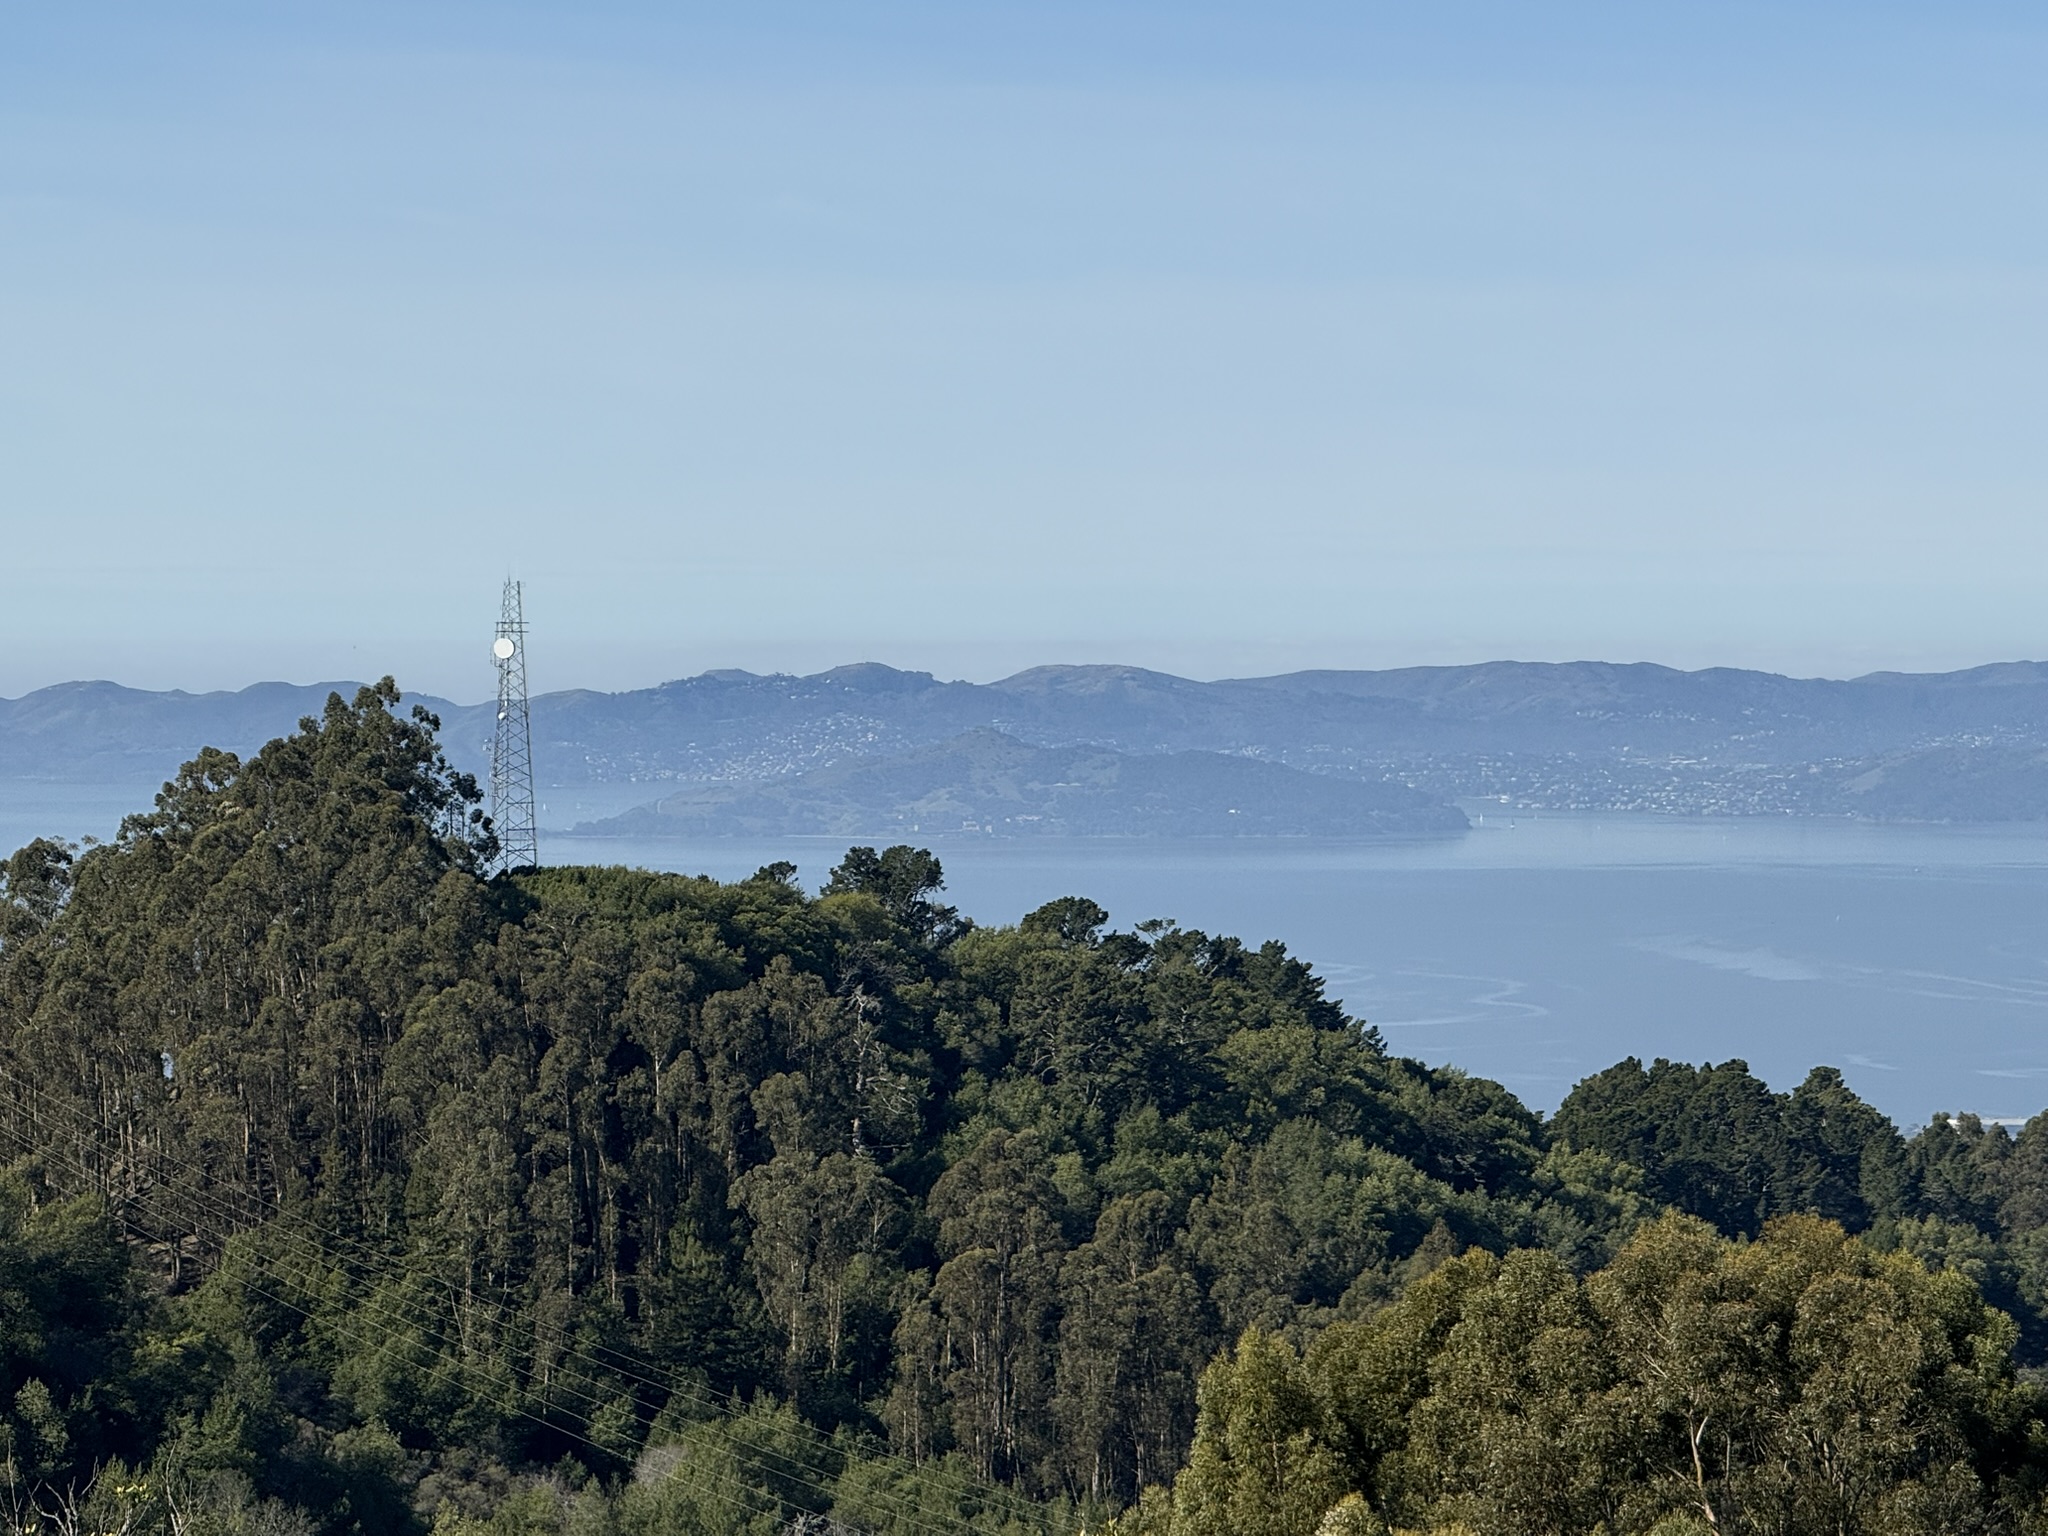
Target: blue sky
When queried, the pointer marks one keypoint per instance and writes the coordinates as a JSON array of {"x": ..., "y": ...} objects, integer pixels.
[{"x": 1222, "y": 339}]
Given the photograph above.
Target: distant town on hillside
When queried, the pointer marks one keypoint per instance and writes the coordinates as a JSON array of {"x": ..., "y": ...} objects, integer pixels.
[{"x": 1111, "y": 750}]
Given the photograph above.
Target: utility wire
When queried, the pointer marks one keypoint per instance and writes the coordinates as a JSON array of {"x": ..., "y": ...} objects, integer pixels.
[
  {"x": 283, "y": 1224},
  {"x": 808, "y": 1473},
  {"x": 728, "y": 1485},
  {"x": 380, "y": 1309}
]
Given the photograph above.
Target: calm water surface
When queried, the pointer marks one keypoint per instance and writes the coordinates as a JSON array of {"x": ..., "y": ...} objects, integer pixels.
[{"x": 1537, "y": 950}]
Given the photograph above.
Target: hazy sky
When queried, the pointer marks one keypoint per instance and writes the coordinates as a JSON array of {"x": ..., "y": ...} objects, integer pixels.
[{"x": 1218, "y": 338}]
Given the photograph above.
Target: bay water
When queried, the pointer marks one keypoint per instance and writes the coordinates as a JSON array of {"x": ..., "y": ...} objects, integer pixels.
[{"x": 1538, "y": 949}]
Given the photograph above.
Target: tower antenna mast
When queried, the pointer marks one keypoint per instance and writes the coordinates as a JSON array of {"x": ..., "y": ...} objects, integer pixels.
[{"x": 512, "y": 807}]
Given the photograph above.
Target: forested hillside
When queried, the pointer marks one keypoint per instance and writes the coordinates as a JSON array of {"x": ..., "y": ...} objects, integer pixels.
[
  {"x": 354, "y": 1190},
  {"x": 986, "y": 781}
]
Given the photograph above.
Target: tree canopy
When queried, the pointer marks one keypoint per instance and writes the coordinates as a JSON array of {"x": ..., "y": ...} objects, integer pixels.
[
  {"x": 1801, "y": 1382},
  {"x": 355, "y": 1189}
]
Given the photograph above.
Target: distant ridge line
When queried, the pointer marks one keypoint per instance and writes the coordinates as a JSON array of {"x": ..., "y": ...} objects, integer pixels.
[
  {"x": 1964, "y": 745},
  {"x": 1994, "y": 672}
]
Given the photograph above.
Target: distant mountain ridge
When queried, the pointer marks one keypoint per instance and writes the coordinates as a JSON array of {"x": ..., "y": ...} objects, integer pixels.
[
  {"x": 103, "y": 732},
  {"x": 1584, "y": 735}
]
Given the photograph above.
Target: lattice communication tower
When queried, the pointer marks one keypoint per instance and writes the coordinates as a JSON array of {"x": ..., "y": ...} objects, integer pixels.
[{"x": 512, "y": 807}]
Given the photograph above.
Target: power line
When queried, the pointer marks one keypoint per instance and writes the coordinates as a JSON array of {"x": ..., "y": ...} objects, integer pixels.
[
  {"x": 728, "y": 1485},
  {"x": 279, "y": 1224},
  {"x": 291, "y": 1229}
]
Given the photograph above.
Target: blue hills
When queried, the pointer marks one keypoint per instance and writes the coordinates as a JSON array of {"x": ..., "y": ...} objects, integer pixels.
[{"x": 873, "y": 743}]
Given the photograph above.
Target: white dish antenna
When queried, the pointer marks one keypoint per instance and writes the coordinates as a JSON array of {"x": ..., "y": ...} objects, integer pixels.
[{"x": 502, "y": 647}]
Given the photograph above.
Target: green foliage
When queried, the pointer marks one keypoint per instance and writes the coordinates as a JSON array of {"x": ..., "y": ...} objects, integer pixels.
[
  {"x": 1715, "y": 1142},
  {"x": 901, "y": 880},
  {"x": 68, "y": 1313},
  {"x": 600, "y": 1200},
  {"x": 1802, "y": 1383},
  {"x": 1262, "y": 1463}
]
